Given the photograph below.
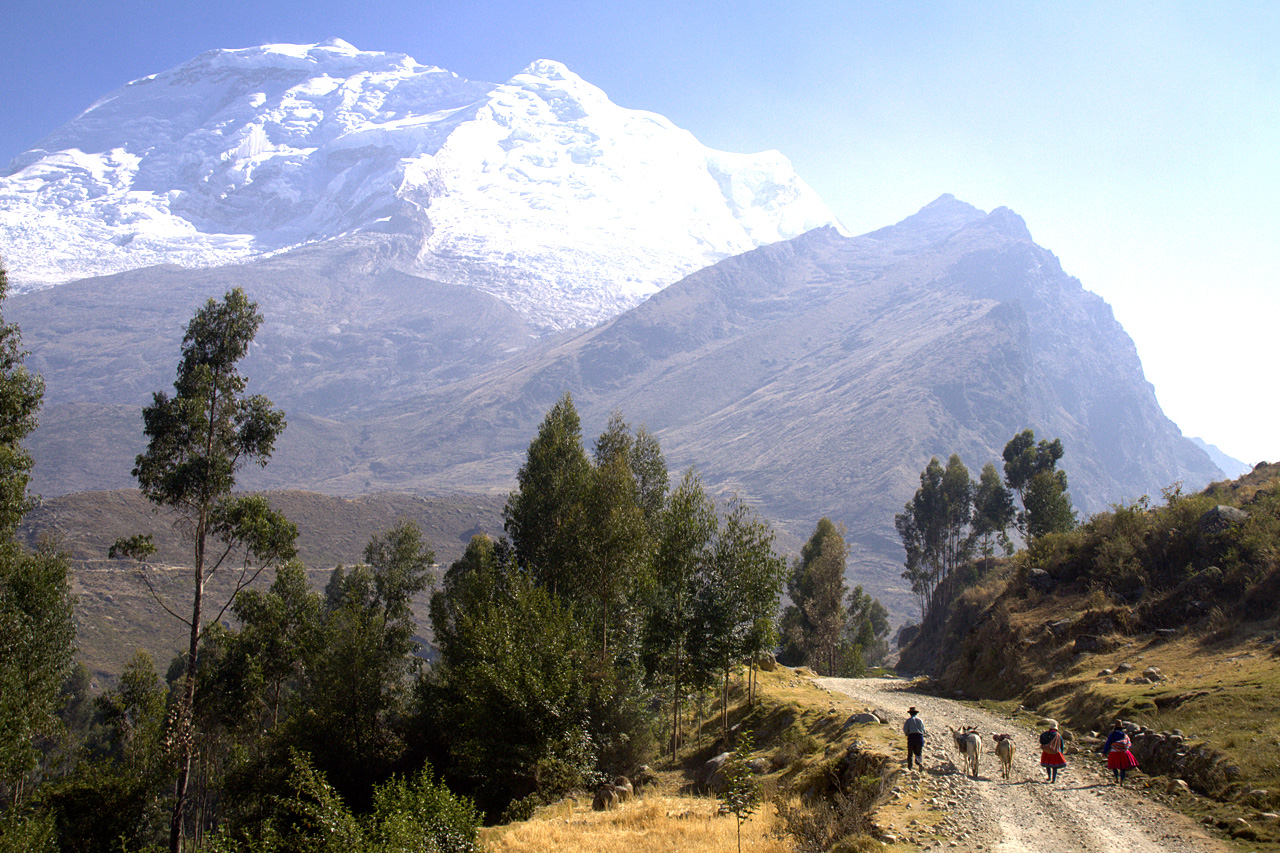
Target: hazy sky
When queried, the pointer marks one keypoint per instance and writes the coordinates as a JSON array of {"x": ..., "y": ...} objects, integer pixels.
[{"x": 1139, "y": 140}]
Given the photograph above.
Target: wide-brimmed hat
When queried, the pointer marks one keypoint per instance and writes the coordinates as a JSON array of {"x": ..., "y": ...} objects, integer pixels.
[
  {"x": 1049, "y": 722},
  {"x": 912, "y": 710}
]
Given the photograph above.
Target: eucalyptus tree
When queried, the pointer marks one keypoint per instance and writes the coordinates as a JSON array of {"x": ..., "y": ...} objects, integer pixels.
[
  {"x": 198, "y": 439},
  {"x": 36, "y": 631},
  {"x": 1030, "y": 469},
  {"x": 542, "y": 516},
  {"x": 736, "y": 603},
  {"x": 684, "y": 549},
  {"x": 993, "y": 511},
  {"x": 814, "y": 621}
]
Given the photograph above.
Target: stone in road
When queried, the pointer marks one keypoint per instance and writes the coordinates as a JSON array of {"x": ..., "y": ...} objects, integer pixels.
[{"x": 1081, "y": 813}]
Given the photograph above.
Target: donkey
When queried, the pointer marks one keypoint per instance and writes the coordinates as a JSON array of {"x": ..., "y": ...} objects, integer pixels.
[
  {"x": 969, "y": 745},
  {"x": 1004, "y": 749}
]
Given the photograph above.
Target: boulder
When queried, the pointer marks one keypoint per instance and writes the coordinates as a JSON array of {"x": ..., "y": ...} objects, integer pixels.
[
  {"x": 1220, "y": 519},
  {"x": 711, "y": 775},
  {"x": 1040, "y": 580},
  {"x": 767, "y": 662},
  {"x": 643, "y": 777},
  {"x": 623, "y": 788},
  {"x": 606, "y": 798}
]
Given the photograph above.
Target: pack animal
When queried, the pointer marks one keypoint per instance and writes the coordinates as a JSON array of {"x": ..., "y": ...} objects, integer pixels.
[
  {"x": 969, "y": 745},
  {"x": 1004, "y": 751}
]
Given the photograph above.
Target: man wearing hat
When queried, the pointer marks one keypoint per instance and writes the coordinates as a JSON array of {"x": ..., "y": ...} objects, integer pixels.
[{"x": 913, "y": 728}]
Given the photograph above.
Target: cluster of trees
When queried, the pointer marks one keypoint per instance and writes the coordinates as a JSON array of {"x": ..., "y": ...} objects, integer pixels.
[
  {"x": 613, "y": 590},
  {"x": 36, "y": 630},
  {"x": 826, "y": 626},
  {"x": 951, "y": 518},
  {"x": 314, "y": 723}
]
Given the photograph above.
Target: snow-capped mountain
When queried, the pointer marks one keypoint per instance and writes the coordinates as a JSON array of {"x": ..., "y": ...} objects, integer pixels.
[{"x": 539, "y": 191}]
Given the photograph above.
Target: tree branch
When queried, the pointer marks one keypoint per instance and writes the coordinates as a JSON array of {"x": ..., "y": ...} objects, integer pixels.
[{"x": 142, "y": 575}]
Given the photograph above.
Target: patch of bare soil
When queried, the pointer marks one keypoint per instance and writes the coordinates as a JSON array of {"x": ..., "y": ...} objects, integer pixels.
[{"x": 942, "y": 809}]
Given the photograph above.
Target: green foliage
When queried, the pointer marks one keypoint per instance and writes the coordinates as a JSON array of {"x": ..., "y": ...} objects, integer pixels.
[
  {"x": 36, "y": 632},
  {"x": 28, "y": 831},
  {"x": 101, "y": 809},
  {"x": 37, "y": 635},
  {"x": 541, "y": 516},
  {"x": 514, "y": 688},
  {"x": 132, "y": 714},
  {"x": 197, "y": 440},
  {"x": 353, "y": 698},
  {"x": 813, "y": 623},
  {"x": 934, "y": 528},
  {"x": 863, "y": 641},
  {"x": 421, "y": 814},
  {"x": 737, "y": 595},
  {"x": 740, "y": 795},
  {"x": 686, "y": 534},
  {"x": 20, "y": 394},
  {"x": 993, "y": 512},
  {"x": 1030, "y": 470},
  {"x": 417, "y": 815}
]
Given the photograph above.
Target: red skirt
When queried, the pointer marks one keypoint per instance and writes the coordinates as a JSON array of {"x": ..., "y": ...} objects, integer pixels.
[
  {"x": 1052, "y": 759},
  {"x": 1121, "y": 759}
]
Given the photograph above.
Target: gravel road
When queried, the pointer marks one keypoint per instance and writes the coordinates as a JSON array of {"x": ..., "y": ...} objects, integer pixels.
[{"x": 1083, "y": 812}]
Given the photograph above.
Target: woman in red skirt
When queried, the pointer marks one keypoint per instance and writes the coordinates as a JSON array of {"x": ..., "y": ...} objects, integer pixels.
[
  {"x": 1119, "y": 759},
  {"x": 1051, "y": 758}
]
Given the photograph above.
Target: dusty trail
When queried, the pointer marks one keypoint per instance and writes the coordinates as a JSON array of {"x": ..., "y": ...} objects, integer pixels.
[{"x": 1081, "y": 813}]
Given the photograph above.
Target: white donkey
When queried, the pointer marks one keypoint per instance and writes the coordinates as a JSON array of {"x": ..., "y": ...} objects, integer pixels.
[{"x": 969, "y": 745}]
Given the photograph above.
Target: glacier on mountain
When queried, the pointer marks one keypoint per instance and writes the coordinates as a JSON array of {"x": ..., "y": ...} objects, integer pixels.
[{"x": 539, "y": 191}]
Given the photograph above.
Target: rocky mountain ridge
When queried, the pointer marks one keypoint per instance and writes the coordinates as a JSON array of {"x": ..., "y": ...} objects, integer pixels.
[{"x": 814, "y": 377}]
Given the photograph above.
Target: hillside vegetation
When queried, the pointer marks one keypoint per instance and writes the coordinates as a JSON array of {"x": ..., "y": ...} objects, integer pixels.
[
  {"x": 116, "y": 615},
  {"x": 1164, "y": 616}
]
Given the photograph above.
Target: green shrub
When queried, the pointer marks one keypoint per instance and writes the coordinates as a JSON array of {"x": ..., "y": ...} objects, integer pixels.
[{"x": 417, "y": 815}]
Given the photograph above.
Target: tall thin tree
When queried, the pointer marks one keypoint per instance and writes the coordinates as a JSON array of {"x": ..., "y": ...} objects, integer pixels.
[{"x": 198, "y": 439}]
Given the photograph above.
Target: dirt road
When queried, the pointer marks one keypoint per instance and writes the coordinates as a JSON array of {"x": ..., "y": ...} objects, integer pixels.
[{"x": 1083, "y": 812}]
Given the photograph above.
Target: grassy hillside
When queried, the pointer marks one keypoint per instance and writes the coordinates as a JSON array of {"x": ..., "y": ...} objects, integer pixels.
[
  {"x": 1074, "y": 627},
  {"x": 804, "y": 736},
  {"x": 115, "y": 614}
]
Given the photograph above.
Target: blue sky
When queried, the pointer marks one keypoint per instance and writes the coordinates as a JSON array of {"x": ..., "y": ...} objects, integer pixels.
[{"x": 1140, "y": 141}]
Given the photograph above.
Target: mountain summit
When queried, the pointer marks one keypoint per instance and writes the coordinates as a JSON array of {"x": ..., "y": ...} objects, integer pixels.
[{"x": 539, "y": 191}]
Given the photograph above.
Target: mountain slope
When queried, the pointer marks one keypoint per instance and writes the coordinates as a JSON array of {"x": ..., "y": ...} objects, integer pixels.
[
  {"x": 815, "y": 376},
  {"x": 819, "y": 375},
  {"x": 539, "y": 191}
]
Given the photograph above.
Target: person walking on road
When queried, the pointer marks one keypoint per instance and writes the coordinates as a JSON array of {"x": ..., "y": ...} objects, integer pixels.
[
  {"x": 1051, "y": 758},
  {"x": 913, "y": 728},
  {"x": 1117, "y": 750}
]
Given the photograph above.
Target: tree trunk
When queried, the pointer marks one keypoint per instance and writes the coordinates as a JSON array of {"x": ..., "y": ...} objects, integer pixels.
[{"x": 182, "y": 724}]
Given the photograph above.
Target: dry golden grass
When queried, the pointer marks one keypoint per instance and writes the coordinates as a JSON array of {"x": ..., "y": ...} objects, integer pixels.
[{"x": 651, "y": 824}]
